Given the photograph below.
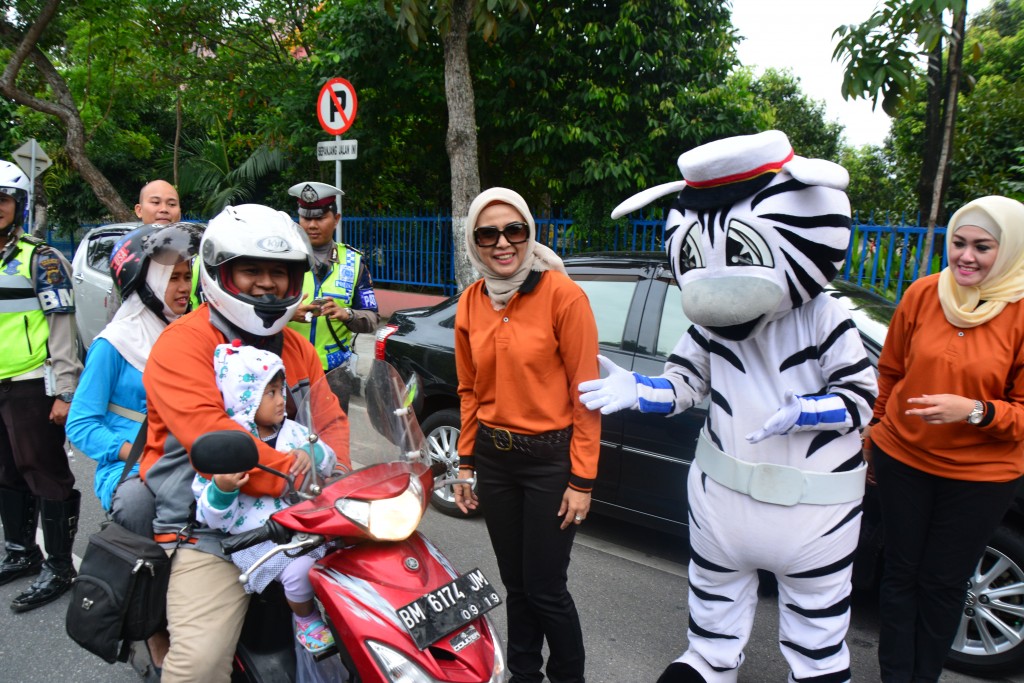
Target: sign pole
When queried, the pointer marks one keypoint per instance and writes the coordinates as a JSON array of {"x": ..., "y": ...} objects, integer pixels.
[
  {"x": 33, "y": 160},
  {"x": 336, "y": 107},
  {"x": 337, "y": 182},
  {"x": 31, "y": 208}
]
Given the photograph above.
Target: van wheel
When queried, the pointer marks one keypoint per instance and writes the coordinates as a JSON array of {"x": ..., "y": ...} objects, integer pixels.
[
  {"x": 990, "y": 640},
  {"x": 441, "y": 430}
]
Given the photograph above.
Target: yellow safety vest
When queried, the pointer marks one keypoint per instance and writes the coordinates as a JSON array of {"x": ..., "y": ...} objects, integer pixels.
[
  {"x": 23, "y": 328},
  {"x": 340, "y": 285}
]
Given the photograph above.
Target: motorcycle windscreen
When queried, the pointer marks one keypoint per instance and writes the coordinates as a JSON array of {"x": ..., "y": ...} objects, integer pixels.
[{"x": 392, "y": 432}]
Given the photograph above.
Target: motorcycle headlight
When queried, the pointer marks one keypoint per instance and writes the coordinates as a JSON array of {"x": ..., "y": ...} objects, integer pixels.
[
  {"x": 390, "y": 519},
  {"x": 395, "y": 666}
]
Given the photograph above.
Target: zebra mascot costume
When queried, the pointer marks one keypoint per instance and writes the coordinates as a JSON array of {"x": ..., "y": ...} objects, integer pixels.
[{"x": 753, "y": 236}]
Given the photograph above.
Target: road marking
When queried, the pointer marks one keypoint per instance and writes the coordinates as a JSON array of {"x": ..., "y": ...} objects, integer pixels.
[{"x": 610, "y": 548}]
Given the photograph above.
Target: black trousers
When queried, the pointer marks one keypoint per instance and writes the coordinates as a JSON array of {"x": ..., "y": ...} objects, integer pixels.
[
  {"x": 935, "y": 531},
  {"x": 32, "y": 455},
  {"x": 520, "y": 495}
]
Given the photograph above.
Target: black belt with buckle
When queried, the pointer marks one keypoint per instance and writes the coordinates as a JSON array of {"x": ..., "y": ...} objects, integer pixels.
[{"x": 504, "y": 440}]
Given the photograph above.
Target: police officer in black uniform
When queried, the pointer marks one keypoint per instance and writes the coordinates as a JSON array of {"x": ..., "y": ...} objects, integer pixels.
[{"x": 39, "y": 370}]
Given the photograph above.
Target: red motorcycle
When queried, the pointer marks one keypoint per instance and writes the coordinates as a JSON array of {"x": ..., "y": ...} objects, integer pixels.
[{"x": 399, "y": 611}]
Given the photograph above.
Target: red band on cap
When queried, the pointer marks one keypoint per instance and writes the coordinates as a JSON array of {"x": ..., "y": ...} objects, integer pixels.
[
  {"x": 326, "y": 201},
  {"x": 771, "y": 167}
]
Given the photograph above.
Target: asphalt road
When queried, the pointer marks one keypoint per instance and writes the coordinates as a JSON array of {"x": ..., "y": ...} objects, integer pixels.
[{"x": 629, "y": 584}]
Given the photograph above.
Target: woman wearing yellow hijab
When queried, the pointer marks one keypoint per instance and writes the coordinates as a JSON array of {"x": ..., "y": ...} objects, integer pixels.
[{"x": 946, "y": 442}]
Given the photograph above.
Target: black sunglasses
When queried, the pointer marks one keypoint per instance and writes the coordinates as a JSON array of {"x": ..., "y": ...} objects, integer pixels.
[{"x": 515, "y": 233}]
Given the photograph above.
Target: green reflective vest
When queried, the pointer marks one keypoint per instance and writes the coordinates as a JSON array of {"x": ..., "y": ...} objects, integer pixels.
[
  {"x": 23, "y": 328},
  {"x": 339, "y": 284}
]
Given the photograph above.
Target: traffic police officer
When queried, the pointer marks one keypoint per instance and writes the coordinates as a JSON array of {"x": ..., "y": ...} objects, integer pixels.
[
  {"x": 39, "y": 370},
  {"x": 339, "y": 298}
]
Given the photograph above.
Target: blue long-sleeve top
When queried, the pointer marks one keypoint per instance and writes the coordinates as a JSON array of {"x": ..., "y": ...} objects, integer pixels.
[{"x": 107, "y": 378}]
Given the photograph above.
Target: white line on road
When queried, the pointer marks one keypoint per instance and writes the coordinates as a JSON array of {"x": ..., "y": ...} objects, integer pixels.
[{"x": 610, "y": 548}]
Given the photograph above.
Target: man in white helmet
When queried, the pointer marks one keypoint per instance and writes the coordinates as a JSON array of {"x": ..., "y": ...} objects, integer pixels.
[
  {"x": 39, "y": 370},
  {"x": 340, "y": 299},
  {"x": 253, "y": 262}
]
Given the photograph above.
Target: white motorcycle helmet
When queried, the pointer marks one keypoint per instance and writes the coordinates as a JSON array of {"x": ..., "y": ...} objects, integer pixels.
[
  {"x": 252, "y": 231},
  {"x": 14, "y": 182}
]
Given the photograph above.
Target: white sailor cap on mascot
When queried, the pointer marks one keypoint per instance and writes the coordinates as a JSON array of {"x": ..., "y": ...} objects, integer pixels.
[{"x": 753, "y": 236}]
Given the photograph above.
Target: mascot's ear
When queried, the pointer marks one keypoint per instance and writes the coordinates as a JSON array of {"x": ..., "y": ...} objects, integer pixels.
[
  {"x": 642, "y": 199},
  {"x": 818, "y": 172}
]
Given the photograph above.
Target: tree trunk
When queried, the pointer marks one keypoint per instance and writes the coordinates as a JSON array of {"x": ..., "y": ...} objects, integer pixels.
[
  {"x": 177, "y": 134},
  {"x": 63, "y": 107},
  {"x": 953, "y": 72},
  {"x": 461, "y": 140},
  {"x": 932, "y": 131},
  {"x": 39, "y": 214}
]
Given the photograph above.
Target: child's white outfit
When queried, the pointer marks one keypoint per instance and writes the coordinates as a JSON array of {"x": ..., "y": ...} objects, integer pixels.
[{"x": 243, "y": 373}]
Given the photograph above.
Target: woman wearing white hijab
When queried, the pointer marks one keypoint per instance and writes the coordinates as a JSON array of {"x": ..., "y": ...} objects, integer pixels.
[
  {"x": 946, "y": 443},
  {"x": 151, "y": 267},
  {"x": 525, "y": 337}
]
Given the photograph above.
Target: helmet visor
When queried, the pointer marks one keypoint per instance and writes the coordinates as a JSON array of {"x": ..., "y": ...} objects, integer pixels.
[{"x": 172, "y": 243}]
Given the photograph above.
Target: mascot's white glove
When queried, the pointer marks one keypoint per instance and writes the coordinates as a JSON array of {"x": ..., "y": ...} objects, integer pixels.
[
  {"x": 615, "y": 392},
  {"x": 803, "y": 413}
]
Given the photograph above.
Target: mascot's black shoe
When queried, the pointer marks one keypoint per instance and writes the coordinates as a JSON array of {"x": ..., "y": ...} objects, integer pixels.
[{"x": 677, "y": 672}]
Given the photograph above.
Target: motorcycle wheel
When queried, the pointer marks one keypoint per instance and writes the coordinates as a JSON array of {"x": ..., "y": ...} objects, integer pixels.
[
  {"x": 441, "y": 430},
  {"x": 990, "y": 640}
]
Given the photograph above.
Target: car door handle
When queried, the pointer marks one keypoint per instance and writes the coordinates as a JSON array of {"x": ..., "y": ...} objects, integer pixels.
[{"x": 79, "y": 277}]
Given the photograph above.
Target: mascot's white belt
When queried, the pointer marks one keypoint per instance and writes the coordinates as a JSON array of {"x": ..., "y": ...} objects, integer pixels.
[{"x": 779, "y": 484}]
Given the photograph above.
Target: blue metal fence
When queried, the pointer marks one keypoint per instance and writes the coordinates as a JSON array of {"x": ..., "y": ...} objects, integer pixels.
[{"x": 417, "y": 250}]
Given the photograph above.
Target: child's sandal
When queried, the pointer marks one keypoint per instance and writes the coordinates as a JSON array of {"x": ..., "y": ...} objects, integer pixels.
[{"x": 316, "y": 637}]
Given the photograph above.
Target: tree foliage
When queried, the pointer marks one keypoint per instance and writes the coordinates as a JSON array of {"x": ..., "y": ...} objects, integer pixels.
[
  {"x": 881, "y": 56},
  {"x": 802, "y": 118},
  {"x": 990, "y": 120},
  {"x": 591, "y": 102},
  {"x": 577, "y": 107}
]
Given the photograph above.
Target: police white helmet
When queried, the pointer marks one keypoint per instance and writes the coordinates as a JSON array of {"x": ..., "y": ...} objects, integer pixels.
[
  {"x": 14, "y": 182},
  {"x": 253, "y": 232}
]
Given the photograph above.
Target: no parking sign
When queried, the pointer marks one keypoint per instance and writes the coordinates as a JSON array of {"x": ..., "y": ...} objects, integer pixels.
[{"x": 336, "y": 106}]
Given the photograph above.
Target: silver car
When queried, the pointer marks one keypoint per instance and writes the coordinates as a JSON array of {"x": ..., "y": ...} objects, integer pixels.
[{"x": 95, "y": 298}]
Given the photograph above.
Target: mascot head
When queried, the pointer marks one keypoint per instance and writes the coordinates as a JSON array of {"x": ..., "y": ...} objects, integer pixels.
[{"x": 754, "y": 231}]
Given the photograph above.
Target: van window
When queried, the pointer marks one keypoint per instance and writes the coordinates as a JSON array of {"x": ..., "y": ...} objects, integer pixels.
[
  {"x": 98, "y": 255},
  {"x": 674, "y": 322},
  {"x": 610, "y": 301}
]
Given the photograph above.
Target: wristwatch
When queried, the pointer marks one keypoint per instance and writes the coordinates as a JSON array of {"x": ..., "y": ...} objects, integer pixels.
[
  {"x": 977, "y": 414},
  {"x": 67, "y": 396}
]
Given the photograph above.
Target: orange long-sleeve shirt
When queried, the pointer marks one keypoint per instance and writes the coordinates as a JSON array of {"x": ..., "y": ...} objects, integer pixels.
[
  {"x": 925, "y": 354},
  {"x": 183, "y": 399},
  {"x": 519, "y": 367}
]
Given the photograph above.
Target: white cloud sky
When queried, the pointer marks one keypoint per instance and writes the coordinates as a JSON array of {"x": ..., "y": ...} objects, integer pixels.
[{"x": 797, "y": 34}]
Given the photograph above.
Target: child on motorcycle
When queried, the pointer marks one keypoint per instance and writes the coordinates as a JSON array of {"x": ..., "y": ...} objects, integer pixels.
[{"x": 251, "y": 382}]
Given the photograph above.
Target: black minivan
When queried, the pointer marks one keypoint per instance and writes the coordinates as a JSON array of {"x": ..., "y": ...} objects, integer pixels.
[{"x": 645, "y": 458}]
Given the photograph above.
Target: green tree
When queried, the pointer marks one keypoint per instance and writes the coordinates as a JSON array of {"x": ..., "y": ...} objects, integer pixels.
[
  {"x": 22, "y": 35},
  {"x": 990, "y": 123},
  {"x": 802, "y": 118},
  {"x": 454, "y": 20},
  {"x": 402, "y": 164},
  {"x": 590, "y": 102},
  {"x": 876, "y": 191},
  {"x": 990, "y": 120},
  {"x": 881, "y": 63}
]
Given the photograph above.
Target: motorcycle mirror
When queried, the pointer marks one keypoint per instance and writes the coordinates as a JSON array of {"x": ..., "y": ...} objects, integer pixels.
[
  {"x": 413, "y": 395},
  {"x": 224, "y": 452}
]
